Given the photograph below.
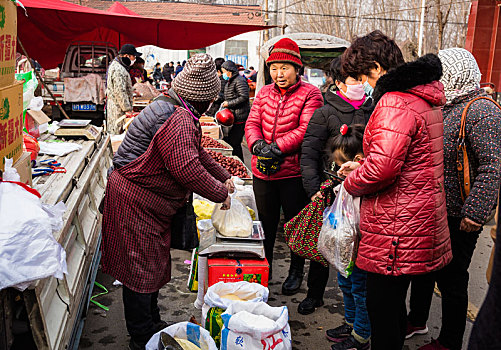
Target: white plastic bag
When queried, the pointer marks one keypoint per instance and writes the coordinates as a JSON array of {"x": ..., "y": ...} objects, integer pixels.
[
  {"x": 28, "y": 250},
  {"x": 251, "y": 292},
  {"x": 256, "y": 326},
  {"x": 339, "y": 233},
  {"x": 234, "y": 222},
  {"x": 185, "y": 330}
]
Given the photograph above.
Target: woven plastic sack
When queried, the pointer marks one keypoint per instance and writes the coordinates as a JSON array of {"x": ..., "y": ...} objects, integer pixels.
[
  {"x": 301, "y": 233},
  {"x": 188, "y": 331},
  {"x": 256, "y": 326},
  {"x": 340, "y": 230}
]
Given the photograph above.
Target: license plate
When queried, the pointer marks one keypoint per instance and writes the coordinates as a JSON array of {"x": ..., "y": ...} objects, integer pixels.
[{"x": 83, "y": 107}]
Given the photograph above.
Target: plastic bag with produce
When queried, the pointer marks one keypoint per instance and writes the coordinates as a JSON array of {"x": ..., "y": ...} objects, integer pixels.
[{"x": 235, "y": 222}]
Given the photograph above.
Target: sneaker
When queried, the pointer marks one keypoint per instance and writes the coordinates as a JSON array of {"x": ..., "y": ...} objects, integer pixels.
[
  {"x": 412, "y": 331},
  {"x": 434, "y": 345},
  {"x": 350, "y": 343},
  {"x": 309, "y": 305},
  {"x": 340, "y": 333}
]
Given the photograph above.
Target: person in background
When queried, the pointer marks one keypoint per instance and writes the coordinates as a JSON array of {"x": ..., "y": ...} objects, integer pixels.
[
  {"x": 137, "y": 73},
  {"x": 236, "y": 99},
  {"x": 119, "y": 87},
  {"x": 178, "y": 70},
  {"x": 355, "y": 333},
  {"x": 168, "y": 71},
  {"x": 253, "y": 74},
  {"x": 143, "y": 196},
  {"x": 345, "y": 103},
  {"x": 157, "y": 75},
  {"x": 216, "y": 105},
  {"x": 403, "y": 216},
  {"x": 466, "y": 213},
  {"x": 275, "y": 130}
]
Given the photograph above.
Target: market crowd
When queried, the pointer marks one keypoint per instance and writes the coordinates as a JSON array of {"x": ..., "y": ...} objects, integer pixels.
[{"x": 419, "y": 142}]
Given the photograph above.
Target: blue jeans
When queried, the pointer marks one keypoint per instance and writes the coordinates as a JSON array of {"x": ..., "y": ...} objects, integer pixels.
[{"x": 354, "y": 295}]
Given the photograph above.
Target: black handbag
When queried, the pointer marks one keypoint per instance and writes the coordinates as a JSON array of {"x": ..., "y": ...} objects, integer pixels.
[{"x": 184, "y": 234}]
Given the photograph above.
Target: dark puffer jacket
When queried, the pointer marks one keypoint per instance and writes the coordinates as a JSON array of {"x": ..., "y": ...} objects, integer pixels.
[
  {"x": 236, "y": 93},
  {"x": 325, "y": 123},
  {"x": 403, "y": 216},
  {"x": 143, "y": 128}
]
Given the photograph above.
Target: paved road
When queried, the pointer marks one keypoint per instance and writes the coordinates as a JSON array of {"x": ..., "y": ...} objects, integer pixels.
[{"x": 106, "y": 330}]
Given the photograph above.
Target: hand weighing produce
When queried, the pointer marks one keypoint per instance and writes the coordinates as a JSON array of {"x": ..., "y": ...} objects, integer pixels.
[
  {"x": 234, "y": 222},
  {"x": 234, "y": 166},
  {"x": 209, "y": 142}
]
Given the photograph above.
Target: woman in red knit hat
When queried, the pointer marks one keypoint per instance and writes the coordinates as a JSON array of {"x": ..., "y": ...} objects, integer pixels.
[{"x": 275, "y": 129}]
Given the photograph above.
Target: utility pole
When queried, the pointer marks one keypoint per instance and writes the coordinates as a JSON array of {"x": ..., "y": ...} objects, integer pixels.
[
  {"x": 283, "y": 17},
  {"x": 421, "y": 28},
  {"x": 266, "y": 20}
]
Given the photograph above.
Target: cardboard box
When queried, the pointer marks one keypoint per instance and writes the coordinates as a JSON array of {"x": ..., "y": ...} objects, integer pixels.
[
  {"x": 11, "y": 123},
  {"x": 8, "y": 42},
  {"x": 33, "y": 121},
  {"x": 232, "y": 270},
  {"x": 23, "y": 167},
  {"x": 213, "y": 131}
]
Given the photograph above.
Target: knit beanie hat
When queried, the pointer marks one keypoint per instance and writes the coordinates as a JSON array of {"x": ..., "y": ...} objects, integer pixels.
[
  {"x": 198, "y": 81},
  {"x": 285, "y": 50},
  {"x": 230, "y": 66},
  {"x": 461, "y": 74}
]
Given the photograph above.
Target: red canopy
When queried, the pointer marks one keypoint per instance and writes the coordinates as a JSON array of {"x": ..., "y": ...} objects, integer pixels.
[
  {"x": 119, "y": 8},
  {"x": 52, "y": 25}
]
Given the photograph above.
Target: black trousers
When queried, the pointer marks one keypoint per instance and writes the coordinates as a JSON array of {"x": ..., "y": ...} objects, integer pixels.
[
  {"x": 141, "y": 314},
  {"x": 387, "y": 309},
  {"x": 234, "y": 138},
  {"x": 272, "y": 195},
  {"x": 452, "y": 281},
  {"x": 318, "y": 276}
]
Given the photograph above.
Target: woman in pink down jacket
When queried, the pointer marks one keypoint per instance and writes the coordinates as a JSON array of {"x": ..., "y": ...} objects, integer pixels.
[
  {"x": 403, "y": 217},
  {"x": 275, "y": 129}
]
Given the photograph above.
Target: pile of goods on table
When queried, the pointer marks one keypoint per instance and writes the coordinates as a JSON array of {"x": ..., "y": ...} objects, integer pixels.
[
  {"x": 234, "y": 166},
  {"x": 209, "y": 142}
]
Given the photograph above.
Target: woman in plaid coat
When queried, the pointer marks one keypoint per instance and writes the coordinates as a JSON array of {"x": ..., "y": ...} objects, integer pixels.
[{"x": 142, "y": 197}]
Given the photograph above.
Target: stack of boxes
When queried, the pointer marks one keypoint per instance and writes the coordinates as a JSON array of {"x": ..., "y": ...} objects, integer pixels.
[{"x": 11, "y": 95}]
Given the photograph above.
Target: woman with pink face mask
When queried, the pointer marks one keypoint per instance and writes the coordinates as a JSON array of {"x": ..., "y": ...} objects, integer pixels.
[{"x": 345, "y": 103}]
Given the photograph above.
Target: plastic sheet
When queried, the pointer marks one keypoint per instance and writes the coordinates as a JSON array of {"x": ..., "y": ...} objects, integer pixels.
[{"x": 28, "y": 250}]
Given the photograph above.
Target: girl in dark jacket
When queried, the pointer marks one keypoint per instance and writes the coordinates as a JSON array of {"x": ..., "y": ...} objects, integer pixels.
[
  {"x": 466, "y": 216},
  {"x": 345, "y": 104},
  {"x": 236, "y": 99}
]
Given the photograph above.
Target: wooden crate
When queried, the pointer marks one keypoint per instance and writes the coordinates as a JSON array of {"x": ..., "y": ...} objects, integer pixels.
[
  {"x": 206, "y": 119},
  {"x": 224, "y": 151}
]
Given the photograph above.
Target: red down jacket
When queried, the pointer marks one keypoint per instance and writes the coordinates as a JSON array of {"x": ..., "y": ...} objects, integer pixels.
[
  {"x": 282, "y": 119},
  {"x": 403, "y": 216}
]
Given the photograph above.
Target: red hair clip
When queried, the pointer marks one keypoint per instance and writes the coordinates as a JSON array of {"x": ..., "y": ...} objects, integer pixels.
[{"x": 344, "y": 129}]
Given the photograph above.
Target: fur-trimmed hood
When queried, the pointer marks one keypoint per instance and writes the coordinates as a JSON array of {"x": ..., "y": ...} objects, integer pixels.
[{"x": 420, "y": 78}]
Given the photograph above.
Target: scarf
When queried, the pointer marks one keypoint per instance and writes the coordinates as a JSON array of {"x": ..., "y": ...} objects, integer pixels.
[{"x": 461, "y": 75}]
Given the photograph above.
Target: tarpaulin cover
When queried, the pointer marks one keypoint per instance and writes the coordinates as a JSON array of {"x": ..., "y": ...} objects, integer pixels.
[{"x": 51, "y": 25}]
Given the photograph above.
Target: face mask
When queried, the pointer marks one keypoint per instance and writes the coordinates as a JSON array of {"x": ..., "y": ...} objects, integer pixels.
[
  {"x": 368, "y": 88},
  {"x": 225, "y": 77},
  {"x": 132, "y": 62},
  {"x": 355, "y": 92},
  {"x": 324, "y": 81}
]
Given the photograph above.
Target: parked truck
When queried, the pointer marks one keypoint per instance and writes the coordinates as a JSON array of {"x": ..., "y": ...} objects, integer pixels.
[{"x": 81, "y": 59}]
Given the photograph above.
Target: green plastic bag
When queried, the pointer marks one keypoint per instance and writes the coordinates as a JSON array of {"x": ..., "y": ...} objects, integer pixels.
[
  {"x": 214, "y": 323},
  {"x": 29, "y": 86}
]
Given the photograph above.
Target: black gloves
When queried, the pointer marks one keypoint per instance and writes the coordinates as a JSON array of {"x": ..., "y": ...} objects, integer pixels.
[
  {"x": 269, "y": 158},
  {"x": 258, "y": 147}
]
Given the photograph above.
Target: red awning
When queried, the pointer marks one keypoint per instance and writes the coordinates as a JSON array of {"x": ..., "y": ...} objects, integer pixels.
[
  {"x": 119, "y": 8},
  {"x": 52, "y": 25}
]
